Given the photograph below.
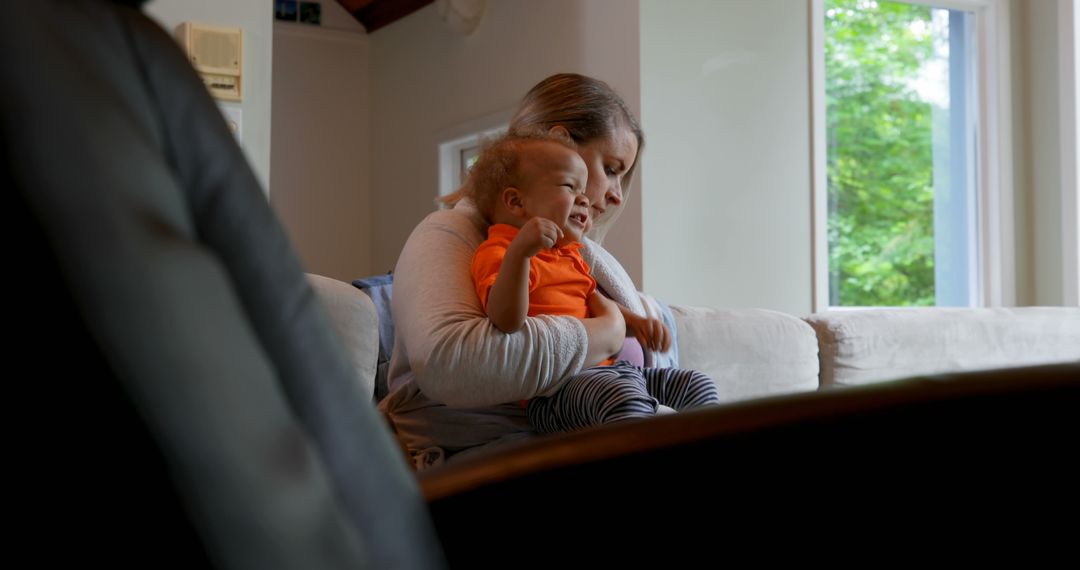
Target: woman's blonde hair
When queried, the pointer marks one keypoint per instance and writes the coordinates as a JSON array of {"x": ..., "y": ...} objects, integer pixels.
[{"x": 587, "y": 108}]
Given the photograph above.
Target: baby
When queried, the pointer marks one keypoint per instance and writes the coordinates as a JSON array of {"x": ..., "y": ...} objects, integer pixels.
[{"x": 532, "y": 190}]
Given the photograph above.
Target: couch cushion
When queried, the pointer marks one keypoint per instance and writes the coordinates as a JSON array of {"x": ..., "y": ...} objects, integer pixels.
[
  {"x": 353, "y": 316},
  {"x": 873, "y": 345},
  {"x": 748, "y": 352},
  {"x": 380, "y": 289}
]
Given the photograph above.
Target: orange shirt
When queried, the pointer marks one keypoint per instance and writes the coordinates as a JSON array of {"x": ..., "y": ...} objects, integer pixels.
[{"x": 559, "y": 279}]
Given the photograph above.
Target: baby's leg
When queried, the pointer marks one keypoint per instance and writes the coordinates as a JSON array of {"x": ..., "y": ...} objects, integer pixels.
[
  {"x": 596, "y": 396},
  {"x": 681, "y": 389}
]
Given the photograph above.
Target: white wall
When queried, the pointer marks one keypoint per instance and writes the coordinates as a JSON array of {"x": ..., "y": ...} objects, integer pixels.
[
  {"x": 320, "y": 147},
  {"x": 255, "y": 17},
  {"x": 427, "y": 82},
  {"x": 726, "y": 199}
]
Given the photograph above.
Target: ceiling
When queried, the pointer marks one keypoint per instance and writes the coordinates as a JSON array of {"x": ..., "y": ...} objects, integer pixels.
[{"x": 375, "y": 14}]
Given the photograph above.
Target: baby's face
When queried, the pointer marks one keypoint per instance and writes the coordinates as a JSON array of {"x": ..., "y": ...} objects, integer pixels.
[{"x": 554, "y": 188}]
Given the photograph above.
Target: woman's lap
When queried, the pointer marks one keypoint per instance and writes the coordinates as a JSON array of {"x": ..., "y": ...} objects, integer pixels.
[{"x": 618, "y": 392}]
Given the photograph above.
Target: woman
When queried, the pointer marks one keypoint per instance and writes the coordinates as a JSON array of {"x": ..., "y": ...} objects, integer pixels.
[{"x": 455, "y": 379}]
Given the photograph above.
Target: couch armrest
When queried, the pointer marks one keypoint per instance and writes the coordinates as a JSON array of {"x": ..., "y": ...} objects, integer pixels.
[
  {"x": 748, "y": 352},
  {"x": 356, "y": 322}
]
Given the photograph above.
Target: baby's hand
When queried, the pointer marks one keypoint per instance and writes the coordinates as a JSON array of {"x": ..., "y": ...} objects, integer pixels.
[
  {"x": 536, "y": 235},
  {"x": 650, "y": 332}
]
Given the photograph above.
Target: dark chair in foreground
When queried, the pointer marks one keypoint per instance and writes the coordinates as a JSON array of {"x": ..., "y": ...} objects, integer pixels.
[
  {"x": 182, "y": 400},
  {"x": 976, "y": 461},
  {"x": 189, "y": 402}
]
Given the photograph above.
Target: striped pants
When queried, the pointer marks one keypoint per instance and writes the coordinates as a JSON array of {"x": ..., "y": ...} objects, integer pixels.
[{"x": 621, "y": 391}]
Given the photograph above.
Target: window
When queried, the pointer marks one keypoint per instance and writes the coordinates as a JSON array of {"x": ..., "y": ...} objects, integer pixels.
[
  {"x": 466, "y": 158},
  {"x": 900, "y": 160},
  {"x": 457, "y": 155},
  {"x": 906, "y": 217}
]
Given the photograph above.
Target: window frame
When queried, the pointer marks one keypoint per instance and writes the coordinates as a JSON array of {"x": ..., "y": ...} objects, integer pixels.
[
  {"x": 994, "y": 171},
  {"x": 452, "y": 141},
  {"x": 1069, "y": 89},
  {"x": 451, "y": 157}
]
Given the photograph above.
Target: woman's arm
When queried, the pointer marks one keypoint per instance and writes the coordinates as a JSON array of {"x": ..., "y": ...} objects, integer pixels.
[
  {"x": 456, "y": 355},
  {"x": 649, "y": 331},
  {"x": 606, "y": 329}
]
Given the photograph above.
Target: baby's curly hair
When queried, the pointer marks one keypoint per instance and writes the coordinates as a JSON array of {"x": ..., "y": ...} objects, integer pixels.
[{"x": 498, "y": 167}]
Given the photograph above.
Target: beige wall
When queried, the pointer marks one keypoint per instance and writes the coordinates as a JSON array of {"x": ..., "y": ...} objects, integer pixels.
[
  {"x": 320, "y": 148},
  {"x": 427, "y": 81},
  {"x": 726, "y": 200},
  {"x": 255, "y": 17}
]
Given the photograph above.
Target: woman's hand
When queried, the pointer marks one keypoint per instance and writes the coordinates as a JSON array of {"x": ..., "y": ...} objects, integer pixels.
[
  {"x": 650, "y": 332},
  {"x": 606, "y": 329},
  {"x": 536, "y": 235}
]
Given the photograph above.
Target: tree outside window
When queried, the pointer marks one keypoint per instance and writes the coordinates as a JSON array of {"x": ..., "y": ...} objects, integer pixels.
[{"x": 891, "y": 141}]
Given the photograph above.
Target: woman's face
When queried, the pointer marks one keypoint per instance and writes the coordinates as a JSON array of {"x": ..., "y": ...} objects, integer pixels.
[{"x": 607, "y": 159}]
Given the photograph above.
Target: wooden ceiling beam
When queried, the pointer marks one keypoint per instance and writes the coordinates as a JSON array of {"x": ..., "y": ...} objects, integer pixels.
[
  {"x": 375, "y": 14},
  {"x": 354, "y": 5}
]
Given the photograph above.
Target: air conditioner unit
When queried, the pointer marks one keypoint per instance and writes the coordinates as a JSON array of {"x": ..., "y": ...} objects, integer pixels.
[{"x": 217, "y": 54}]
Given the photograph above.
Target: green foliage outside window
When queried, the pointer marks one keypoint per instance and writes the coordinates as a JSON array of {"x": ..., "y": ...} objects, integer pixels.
[{"x": 880, "y": 154}]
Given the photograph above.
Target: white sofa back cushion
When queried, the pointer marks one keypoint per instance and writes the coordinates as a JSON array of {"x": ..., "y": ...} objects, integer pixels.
[
  {"x": 873, "y": 345},
  {"x": 748, "y": 352},
  {"x": 353, "y": 316}
]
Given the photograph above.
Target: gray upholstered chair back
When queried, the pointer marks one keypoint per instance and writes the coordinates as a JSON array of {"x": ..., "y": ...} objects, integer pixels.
[{"x": 203, "y": 408}]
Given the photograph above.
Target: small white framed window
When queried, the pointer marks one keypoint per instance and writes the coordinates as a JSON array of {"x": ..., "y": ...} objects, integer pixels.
[
  {"x": 459, "y": 145},
  {"x": 457, "y": 155}
]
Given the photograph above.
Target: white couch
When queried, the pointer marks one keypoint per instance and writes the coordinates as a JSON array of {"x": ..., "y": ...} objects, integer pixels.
[{"x": 752, "y": 353}]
